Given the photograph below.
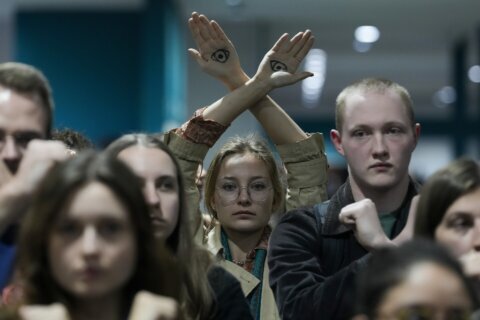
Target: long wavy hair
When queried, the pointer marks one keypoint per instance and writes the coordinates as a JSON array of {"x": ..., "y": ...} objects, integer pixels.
[
  {"x": 197, "y": 298},
  {"x": 155, "y": 271}
]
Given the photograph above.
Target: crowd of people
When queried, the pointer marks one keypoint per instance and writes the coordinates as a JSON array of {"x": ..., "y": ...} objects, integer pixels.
[{"x": 120, "y": 233}]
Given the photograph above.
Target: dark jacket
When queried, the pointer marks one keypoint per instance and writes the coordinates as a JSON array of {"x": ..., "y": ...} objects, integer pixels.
[{"x": 313, "y": 264}]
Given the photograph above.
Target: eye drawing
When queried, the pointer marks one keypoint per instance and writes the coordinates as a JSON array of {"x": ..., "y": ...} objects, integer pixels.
[
  {"x": 221, "y": 55},
  {"x": 277, "y": 66}
]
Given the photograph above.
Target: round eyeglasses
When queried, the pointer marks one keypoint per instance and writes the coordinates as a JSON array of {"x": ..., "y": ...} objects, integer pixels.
[{"x": 229, "y": 191}]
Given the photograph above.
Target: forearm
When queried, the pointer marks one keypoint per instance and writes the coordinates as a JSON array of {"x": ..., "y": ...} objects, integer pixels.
[
  {"x": 306, "y": 166},
  {"x": 273, "y": 117},
  {"x": 270, "y": 115},
  {"x": 12, "y": 206},
  {"x": 226, "y": 109}
]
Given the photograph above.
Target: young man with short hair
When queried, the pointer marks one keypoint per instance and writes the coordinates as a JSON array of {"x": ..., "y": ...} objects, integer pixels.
[{"x": 315, "y": 252}]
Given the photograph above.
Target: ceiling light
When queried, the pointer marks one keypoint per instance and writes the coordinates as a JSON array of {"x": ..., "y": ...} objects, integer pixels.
[
  {"x": 474, "y": 74},
  {"x": 367, "y": 34},
  {"x": 316, "y": 63}
]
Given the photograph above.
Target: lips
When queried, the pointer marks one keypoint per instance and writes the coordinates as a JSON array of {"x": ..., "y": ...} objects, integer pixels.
[
  {"x": 90, "y": 273},
  {"x": 381, "y": 165},
  {"x": 239, "y": 213}
]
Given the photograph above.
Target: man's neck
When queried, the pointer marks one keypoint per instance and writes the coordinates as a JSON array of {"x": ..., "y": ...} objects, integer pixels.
[{"x": 386, "y": 199}]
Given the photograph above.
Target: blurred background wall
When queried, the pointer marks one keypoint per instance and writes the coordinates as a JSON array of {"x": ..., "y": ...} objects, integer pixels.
[{"x": 118, "y": 66}]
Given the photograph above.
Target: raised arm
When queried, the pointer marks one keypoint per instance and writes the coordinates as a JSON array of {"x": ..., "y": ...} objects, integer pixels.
[
  {"x": 217, "y": 56},
  {"x": 303, "y": 155}
]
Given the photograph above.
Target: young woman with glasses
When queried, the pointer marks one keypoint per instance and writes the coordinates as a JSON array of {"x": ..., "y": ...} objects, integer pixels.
[{"x": 243, "y": 186}]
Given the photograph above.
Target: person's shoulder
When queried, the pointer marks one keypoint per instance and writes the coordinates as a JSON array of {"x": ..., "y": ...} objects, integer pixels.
[{"x": 301, "y": 213}]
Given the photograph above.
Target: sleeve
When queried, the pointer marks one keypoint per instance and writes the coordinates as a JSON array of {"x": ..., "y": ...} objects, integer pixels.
[
  {"x": 230, "y": 300},
  {"x": 189, "y": 155},
  {"x": 306, "y": 165},
  {"x": 301, "y": 287}
]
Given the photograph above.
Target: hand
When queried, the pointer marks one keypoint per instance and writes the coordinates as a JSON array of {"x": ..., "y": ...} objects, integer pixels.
[
  {"x": 54, "y": 311},
  {"x": 149, "y": 306},
  {"x": 38, "y": 158},
  {"x": 471, "y": 264},
  {"x": 363, "y": 217},
  {"x": 280, "y": 64},
  {"x": 407, "y": 232},
  {"x": 5, "y": 174},
  {"x": 215, "y": 53}
]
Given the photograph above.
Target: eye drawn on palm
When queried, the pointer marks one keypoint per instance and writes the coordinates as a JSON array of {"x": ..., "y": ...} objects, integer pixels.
[
  {"x": 215, "y": 53},
  {"x": 280, "y": 64}
]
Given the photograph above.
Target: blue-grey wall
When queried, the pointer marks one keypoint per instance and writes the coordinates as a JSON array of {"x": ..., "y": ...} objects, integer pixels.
[{"x": 111, "y": 72}]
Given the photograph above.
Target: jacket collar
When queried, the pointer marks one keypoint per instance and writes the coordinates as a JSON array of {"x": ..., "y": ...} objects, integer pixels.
[{"x": 344, "y": 196}]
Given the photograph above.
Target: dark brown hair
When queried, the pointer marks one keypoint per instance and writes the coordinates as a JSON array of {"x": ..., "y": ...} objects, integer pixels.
[
  {"x": 155, "y": 269},
  {"x": 197, "y": 297},
  {"x": 441, "y": 190}
]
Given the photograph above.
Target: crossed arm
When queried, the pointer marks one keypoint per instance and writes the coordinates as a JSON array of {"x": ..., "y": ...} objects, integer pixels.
[{"x": 217, "y": 56}]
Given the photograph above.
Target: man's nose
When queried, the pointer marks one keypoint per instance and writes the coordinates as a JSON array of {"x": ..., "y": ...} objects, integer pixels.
[
  {"x": 10, "y": 149},
  {"x": 379, "y": 145}
]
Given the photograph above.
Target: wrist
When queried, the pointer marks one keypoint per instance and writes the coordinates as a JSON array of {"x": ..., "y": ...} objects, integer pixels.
[
  {"x": 262, "y": 84},
  {"x": 236, "y": 81}
]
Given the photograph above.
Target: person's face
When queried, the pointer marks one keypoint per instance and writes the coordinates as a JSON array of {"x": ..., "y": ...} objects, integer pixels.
[
  {"x": 247, "y": 176},
  {"x": 22, "y": 119},
  {"x": 459, "y": 229},
  {"x": 160, "y": 185},
  {"x": 92, "y": 248},
  {"x": 422, "y": 296},
  {"x": 377, "y": 139}
]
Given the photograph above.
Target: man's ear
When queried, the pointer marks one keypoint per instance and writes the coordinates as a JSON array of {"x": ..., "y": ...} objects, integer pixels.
[
  {"x": 416, "y": 132},
  {"x": 336, "y": 139}
]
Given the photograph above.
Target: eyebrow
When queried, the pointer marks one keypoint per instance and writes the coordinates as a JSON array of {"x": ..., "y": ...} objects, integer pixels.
[{"x": 251, "y": 178}]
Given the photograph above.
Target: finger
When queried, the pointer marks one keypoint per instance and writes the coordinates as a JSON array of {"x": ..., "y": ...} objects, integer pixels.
[
  {"x": 280, "y": 44},
  {"x": 289, "y": 46},
  {"x": 346, "y": 218},
  {"x": 303, "y": 46},
  {"x": 219, "y": 31},
  {"x": 194, "y": 27},
  {"x": 300, "y": 76},
  {"x": 205, "y": 28},
  {"x": 197, "y": 56},
  {"x": 305, "y": 49}
]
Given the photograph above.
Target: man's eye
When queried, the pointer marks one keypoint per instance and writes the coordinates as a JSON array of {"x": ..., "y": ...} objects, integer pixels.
[
  {"x": 359, "y": 134},
  {"x": 395, "y": 131},
  {"x": 24, "y": 139},
  {"x": 221, "y": 55}
]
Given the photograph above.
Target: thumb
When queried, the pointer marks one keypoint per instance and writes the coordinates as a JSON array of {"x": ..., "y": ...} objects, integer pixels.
[
  {"x": 300, "y": 76},
  {"x": 196, "y": 55}
]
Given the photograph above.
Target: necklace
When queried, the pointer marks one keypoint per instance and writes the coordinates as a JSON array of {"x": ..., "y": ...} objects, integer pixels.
[{"x": 240, "y": 263}]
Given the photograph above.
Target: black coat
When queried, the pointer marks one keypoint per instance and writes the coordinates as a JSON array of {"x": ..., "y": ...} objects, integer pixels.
[{"x": 313, "y": 260}]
